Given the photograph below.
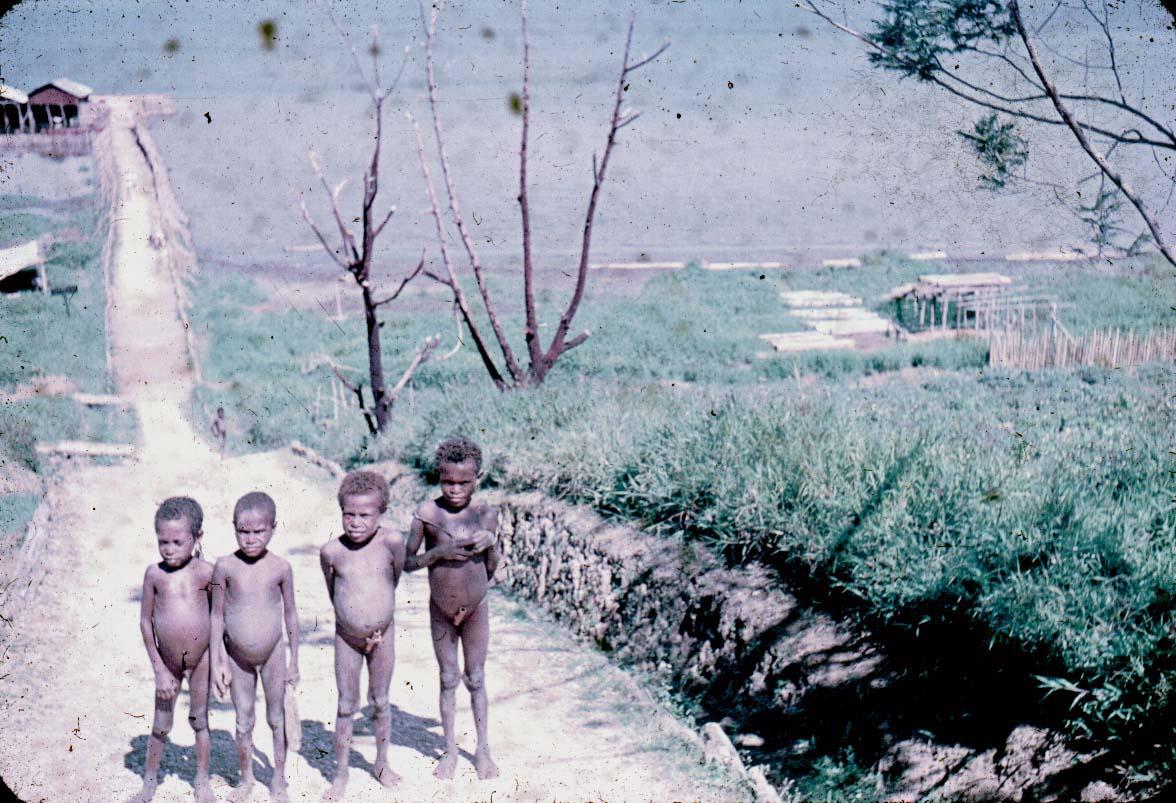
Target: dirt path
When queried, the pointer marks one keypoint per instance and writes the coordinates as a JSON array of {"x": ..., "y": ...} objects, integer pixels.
[{"x": 76, "y": 690}]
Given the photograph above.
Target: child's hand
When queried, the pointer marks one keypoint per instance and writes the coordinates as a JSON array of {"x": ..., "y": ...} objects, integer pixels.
[
  {"x": 166, "y": 686},
  {"x": 222, "y": 678},
  {"x": 292, "y": 676},
  {"x": 455, "y": 550},
  {"x": 483, "y": 540}
]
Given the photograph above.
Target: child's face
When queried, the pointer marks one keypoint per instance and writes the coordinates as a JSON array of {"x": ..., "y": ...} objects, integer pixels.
[
  {"x": 361, "y": 516},
  {"x": 254, "y": 530},
  {"x": 176, "y": 542},
  {"x": 458, "y": 481}
]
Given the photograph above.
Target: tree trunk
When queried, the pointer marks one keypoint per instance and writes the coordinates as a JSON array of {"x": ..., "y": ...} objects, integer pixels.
[{"x": 380, "y": 404}]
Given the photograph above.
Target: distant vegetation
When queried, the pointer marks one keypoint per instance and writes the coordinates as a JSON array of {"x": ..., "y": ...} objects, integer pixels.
[{"x": 1035, "y": 512}]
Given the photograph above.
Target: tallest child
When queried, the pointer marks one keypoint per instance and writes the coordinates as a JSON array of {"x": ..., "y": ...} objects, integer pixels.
[{"x": 460, "y": 536}]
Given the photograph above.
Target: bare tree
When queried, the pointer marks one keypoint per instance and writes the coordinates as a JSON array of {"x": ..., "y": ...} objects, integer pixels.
[
  {"x": 540, "y": 358},
  {"x": 915, "y": 36},
  {"x": 354, "y": 255}
]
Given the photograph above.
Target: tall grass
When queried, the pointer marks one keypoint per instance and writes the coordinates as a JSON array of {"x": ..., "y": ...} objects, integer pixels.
[{"x": 1041, "y": 509}]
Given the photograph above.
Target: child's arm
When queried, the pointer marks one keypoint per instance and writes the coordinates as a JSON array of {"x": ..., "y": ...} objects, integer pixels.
[
  {"x": 328, "y": 572},
  {"x": 493, "y": 553},
  {"x": 166, "y": 686},
  {"x": 291, "y": 623},
  {"x": 450, "y": 550},
  {"x": 221, "y": 677}
]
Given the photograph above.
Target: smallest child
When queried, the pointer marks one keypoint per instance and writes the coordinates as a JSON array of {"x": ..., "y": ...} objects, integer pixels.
[{"x": 174, "y": 621}]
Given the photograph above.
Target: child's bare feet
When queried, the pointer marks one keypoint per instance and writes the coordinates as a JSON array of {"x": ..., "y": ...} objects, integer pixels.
[
  {"x": 203, "y": 792},
  {"x": 385, "y": 775},
  {"x": 445, "y": 767},
  {"x": 243, "y": 790},
  {"x": 485, "y": 765},
  {"x": 144, "y": 794},
  {"x": 278, "y": 791},
  {"x": 335, "y": 791}
]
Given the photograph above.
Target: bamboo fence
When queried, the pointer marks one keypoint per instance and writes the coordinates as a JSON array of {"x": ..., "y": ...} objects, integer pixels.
[{"x": 1111, "y": 348}]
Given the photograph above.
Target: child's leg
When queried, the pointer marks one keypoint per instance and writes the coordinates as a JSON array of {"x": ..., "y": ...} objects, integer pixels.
[
  {"x": 161, "y": 726},
  {"x": 348, "y": 663},
  {"x": 445, "y": 648},
  {"x": 273, "y": 683},
  {"x": 475, "y": 640},
  {"x": 243, "y": 691},
  {"x": 198, "y": 718},
  {"x": 381, "y": 662}
]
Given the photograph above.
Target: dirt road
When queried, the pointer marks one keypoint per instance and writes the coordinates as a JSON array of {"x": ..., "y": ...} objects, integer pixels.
[{"x": 76, "y": 689}]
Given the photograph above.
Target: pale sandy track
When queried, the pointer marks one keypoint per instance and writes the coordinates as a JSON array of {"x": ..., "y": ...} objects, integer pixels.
[{"x": 76, "y": 691}]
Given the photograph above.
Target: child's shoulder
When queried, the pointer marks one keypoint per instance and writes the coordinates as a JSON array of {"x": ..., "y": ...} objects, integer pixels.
[
  {"x": 203, "y": 568},
  {"x": 391, "y": 535},
  {"x": 429, "y": 512}
]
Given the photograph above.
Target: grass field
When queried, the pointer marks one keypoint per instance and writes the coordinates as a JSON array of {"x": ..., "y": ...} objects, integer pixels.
[
  {"x": 1037, "y": 511},
  {"x": 45, "y": 351}
]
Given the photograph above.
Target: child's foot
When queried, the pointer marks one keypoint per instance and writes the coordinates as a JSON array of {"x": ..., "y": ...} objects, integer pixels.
[
  {"x": 278, "y": 791},
  {"x": 445, "y": 767},
  {"x": 335, "y": 791},
  {"x": 485, "y": 765},
  {"x": 144, "y": 794},
  {"x": 242, "y": 791},
  {"x": 385, "y": 775},
  {"x": 203, "y": 792}
]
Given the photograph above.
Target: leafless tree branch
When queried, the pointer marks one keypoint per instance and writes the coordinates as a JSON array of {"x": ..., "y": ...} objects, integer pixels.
[
  {"x": 1080, "y": 135},
  {"x": 403, "y": 283},
  {"x": 512, "y": 365},
  {"x": 452, "y": 281}
]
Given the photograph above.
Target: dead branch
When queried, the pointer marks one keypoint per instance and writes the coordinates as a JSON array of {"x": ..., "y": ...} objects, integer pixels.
[
  {"x": 1076, "y": 129},
  {"x": 403, "y": 283},
  {"x": 452, "y": 281},
  {"x": 531, "y": 327},
  {"x": 512, "y": 366},
  {"x": 558, "y": 345},
  {"x": 421, "y": 356}
]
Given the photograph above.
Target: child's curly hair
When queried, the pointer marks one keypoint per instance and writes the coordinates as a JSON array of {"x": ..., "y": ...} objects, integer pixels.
[
  {"x": 457, "y": 449},
  {"x": 175, "y": 508},
  {"x": 256, "y": 500},
  {"x": 358, "y": 483}
]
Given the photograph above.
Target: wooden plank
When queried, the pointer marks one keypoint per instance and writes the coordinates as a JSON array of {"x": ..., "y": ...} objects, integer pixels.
[
  {"x": 858, "y": 326},
  {"x": 965, "y": 279},
  {"x": 87, "y": 449},
  {"x": 99, "y": 400},
  {"x": 851, "y": 262},
  {"x": 819, "y": 298}
]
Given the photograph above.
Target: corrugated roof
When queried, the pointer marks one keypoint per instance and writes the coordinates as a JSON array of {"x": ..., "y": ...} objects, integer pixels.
[
  {"x": 79, "y": 91},
  {"x": 12, "y": 94}
]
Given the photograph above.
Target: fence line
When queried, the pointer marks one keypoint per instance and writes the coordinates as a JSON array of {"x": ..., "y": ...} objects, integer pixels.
[{"x": 1112, "y": 348}]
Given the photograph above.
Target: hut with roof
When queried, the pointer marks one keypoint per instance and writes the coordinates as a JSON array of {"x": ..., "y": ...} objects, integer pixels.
[
  {"x": 15, "y": 115},
  {"x": 59, "y": 104},
  {"x": 976, "y": 301}
]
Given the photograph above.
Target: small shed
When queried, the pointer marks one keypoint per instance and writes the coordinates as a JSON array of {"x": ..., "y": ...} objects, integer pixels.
[
  {"x": 982, "y": 301},
  {"x": 14, "y": 110},
  {"x": 58, "y": 104},
  {"x": 22, "y": 267}
]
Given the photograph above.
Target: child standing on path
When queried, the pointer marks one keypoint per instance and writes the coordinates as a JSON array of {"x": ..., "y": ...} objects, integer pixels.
[
  {"x": 252, "y": 593},
  {"x": 362, "y": 568},
  {"x": 461, "y": 553},
  {"x": 174, "y": 620}
]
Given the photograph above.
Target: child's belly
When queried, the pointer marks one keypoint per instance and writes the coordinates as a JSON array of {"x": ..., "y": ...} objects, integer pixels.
[
  {"x": 251, "y": 635},
  {"x": 364, "y": 608},
  {"x": 182, "y": 636},
  {"x": 457, "y": 584}
]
